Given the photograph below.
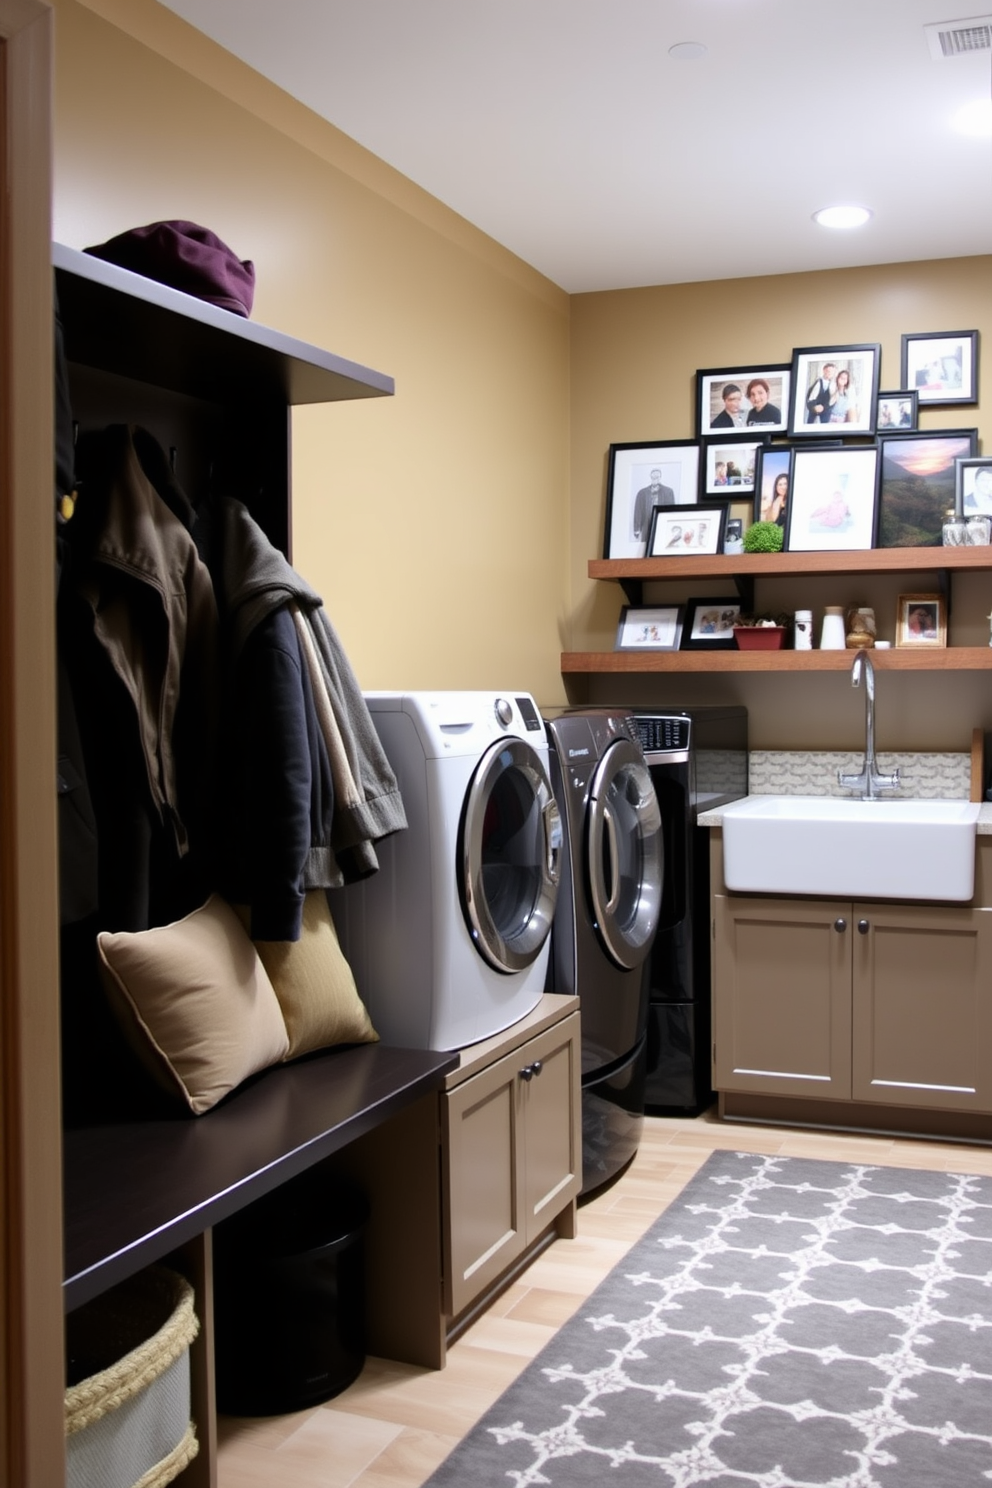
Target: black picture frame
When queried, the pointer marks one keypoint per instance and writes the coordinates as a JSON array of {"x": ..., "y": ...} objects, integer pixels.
[
  {"x": 711, "y": 383},
  {"x": 941, "y": 367},
  {"x": 629, "y": 505},
  {"x": 774, "y": 462},
  {"x": 897, "y": 411},
  {"x": 708, "y": 624},
  {"x": 833, "y": 498},
  {"x": 679, "y": 532},
  {"x": 973, "y": 485},
  {"x": 739, "y": 461},
  {"x": 649, "y": 628},
  {"x": 917, "y": 484},
  {"x": 814, "y": 369}
]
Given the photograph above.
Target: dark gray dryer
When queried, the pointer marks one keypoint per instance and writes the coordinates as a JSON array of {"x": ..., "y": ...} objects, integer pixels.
[{"x": 609, "y": 902}]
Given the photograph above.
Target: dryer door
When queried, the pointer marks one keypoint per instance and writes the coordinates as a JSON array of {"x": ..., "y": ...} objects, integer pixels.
[
  {"x": 624, "y": 854},
  {"x": 509, "y": 851}
]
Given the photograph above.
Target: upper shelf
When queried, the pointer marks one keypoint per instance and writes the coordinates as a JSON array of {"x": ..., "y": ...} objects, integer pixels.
[
  {"x": 123, "y": 323},
  {"x": 785, "y": 565}
]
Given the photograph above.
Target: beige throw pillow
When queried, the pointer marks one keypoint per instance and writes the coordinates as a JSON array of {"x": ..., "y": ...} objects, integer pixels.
[
  {"x": 196, "y": 1002},
  {"x": 315, "y": 985}
]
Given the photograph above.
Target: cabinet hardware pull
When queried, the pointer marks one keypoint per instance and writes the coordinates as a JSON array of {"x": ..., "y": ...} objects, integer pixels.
[
  {"x": 863, "y": 927},
  {"x": 840, "y": 926},
  {"x": 530, "y": 1070},
  {"x": 537, "y": 1066}
]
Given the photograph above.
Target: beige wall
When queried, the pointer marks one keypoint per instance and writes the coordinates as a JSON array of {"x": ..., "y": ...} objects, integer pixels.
[
  {"x": 449, "y": 528},
  {"x": 433, "y": 523},
  {"x": 633, "y": 364}
]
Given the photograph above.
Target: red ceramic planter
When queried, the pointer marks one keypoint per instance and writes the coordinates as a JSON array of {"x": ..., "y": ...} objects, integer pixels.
[{"x": 759, "y": 637}]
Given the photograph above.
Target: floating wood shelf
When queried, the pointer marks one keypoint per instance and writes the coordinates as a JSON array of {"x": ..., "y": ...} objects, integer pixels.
[
  {"x": 743, "y": 568},
  {"x": 904, "y": 659},
  {"x": 788, "y": 565}
]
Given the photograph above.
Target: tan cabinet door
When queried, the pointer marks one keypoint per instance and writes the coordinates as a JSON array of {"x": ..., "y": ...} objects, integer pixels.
[
  {"x": 552, "y": 1167},
  {"x": 512, "y": 1158},
  {"x": 782, "y": 997},
  {"x": 923, "y": 1006},
  {"x": 483, "y": 1228}
]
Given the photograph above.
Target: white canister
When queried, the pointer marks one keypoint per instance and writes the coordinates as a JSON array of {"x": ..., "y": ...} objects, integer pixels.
[
  {"x": 803, "y": 630},
  {"x": 833, "y": 635}
]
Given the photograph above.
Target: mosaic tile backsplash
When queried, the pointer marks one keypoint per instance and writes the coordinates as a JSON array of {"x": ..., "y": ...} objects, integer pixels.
[{"x": 801, "y": 773}]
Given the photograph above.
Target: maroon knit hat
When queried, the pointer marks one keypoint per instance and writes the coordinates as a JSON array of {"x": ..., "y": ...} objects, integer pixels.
[{"x": 187, "y": 257}]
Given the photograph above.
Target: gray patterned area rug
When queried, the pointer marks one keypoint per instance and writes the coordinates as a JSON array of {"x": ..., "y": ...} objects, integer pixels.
[{"x": 784, "y": 1324}]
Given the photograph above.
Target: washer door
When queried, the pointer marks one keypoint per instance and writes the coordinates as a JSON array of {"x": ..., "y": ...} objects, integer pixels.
[
  {"x": 625, "y": 856},
  {"x": 509, "y": 852}
]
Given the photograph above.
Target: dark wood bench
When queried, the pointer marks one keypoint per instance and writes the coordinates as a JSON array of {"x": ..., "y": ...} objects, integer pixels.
[{"x": 151, "y": 1190}]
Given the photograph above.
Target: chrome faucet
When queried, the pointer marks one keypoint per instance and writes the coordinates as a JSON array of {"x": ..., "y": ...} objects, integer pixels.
[{"x": 869, "y": 782}]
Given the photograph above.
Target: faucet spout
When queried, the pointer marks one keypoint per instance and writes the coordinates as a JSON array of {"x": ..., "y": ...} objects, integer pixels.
[{"x": 869, "y": 781}]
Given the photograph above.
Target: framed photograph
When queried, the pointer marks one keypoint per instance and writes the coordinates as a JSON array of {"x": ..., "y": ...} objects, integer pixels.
[
  {"x": 709, "y": 624},
  {"x": 835, "y": 388},
  {"x": 899, "y": 410},
  {"x": 741, "y": 400},
  {"x": 771, "y": 490},
  {"x": 728, "y": 469},
  {"x": 832, "y": 499},
  {"x": 921, "y": 620},
  {"x": 973, "y": 486},
  {"x": 663, "y": 472},
  {"x": 917, "y": 484},
  {"x": 941, "y": 366},
  {"x": 686, "y": 530},
  {"x": 649, "y": 628}
]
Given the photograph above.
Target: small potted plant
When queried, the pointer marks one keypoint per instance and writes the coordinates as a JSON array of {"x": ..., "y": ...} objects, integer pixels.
[
  {"x": 761, "y": 632},
  {"x": 763, "y": 537}
]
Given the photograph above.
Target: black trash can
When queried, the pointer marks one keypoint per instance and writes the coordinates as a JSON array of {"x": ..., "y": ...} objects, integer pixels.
[{"x": 289, "y": 1297}]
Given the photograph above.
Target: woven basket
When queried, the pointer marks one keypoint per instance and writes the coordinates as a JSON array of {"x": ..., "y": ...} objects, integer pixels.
[{"x": 127, "y": 1419}]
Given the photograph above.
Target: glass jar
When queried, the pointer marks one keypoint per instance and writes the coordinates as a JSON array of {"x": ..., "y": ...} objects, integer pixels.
[
  {"x": 979, "y": 530},
  {"x": 955, "y": 532}
]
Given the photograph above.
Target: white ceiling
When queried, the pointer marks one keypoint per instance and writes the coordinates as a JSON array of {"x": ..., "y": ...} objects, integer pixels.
[{"x": 565, "y": 130}]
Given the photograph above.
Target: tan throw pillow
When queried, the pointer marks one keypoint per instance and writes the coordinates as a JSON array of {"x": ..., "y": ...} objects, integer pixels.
[
  {"x": 315, "y": 985},
  {"x": 196, "y": 1002}
]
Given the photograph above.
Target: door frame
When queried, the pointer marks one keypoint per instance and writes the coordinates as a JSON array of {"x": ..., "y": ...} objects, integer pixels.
[{"x": 32, "y": 1443}]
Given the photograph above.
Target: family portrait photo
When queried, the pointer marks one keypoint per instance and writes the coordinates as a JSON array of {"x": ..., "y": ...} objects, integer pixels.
[
  {"x": 973, "y": 486},
  {"x": 709, "y": 624},
  {"x": 941, "y": 367},
  {"x": 835, "y": 388},
  {"x": 832, "y": 502},
  {"x": 640, "y": 478},
  {"x": 738, "y": 399},
  {"x": 771, "y": 496},
  {"x": 896, "y": 411},
  {"x": 678, "y": 533},
  {"x": 921, "y": 620},
  {"x": 730, "y": 468},
  {"x": 647, "y": 628}
]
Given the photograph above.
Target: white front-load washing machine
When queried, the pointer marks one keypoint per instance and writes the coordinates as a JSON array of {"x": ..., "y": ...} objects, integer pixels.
[{"x": 449, "y": 940}]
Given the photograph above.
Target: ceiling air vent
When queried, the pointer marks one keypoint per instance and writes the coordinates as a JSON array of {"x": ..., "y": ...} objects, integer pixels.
[{"x": 948, "y": 39}]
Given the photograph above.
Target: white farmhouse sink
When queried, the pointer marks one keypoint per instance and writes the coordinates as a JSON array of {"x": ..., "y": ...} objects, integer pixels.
[{"x": 865, "y": 849}]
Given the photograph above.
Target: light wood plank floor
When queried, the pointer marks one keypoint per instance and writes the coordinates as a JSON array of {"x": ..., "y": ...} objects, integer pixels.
[{"x": 397, "y": 1422}]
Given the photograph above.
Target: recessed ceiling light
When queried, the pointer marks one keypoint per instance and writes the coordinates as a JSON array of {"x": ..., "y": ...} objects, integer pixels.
[
  {"x": 687, "y": 51},
  {"x": 974, "y": 118},
  {"x": 842, "y": 216}
]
